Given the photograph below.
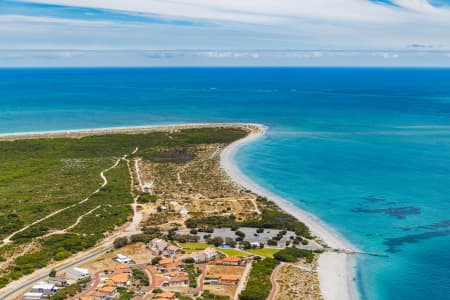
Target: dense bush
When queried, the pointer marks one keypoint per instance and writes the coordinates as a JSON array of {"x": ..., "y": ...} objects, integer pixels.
[
  {"x": 141, "y": 277},
  {"x": 293, "y": 254},
  {"x": 120, "y": 242},
  {"x": 207, "y": 295},
  {"x": 259, "y": 284}
]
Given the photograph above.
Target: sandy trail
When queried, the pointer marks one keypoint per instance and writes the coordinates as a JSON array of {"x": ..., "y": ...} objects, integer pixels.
[{"x": 7, "y": 240}]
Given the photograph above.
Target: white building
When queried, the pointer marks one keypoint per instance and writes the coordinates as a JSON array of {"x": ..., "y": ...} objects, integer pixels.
[
  {"x": 122, "y": 259},
  {"x": 44, "y": 288},
  {"x": 77, "y": 274},
  {"x": 157, "y": 246},
  {"x": 206, "y": 255},
  {"x": 33, "y": 296}
]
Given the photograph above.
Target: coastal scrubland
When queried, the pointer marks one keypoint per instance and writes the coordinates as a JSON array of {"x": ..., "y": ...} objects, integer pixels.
[{"x": 59, "y": 196}]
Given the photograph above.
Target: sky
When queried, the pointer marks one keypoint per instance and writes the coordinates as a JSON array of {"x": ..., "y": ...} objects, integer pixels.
[{"x": 224, "y": 33}]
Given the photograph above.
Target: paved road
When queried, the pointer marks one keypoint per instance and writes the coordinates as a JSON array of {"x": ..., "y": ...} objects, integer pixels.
[
  {"x": 39, "y": 277},
  {"x": 273, "y": 279}
]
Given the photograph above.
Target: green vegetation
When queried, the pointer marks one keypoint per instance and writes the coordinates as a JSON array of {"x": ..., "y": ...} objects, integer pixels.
[
  {"x": 190, "y": 247},
  {"x": 124, "y": 294},
  {"x": 41, "y": 176},
  {"x": 120, "y": 242},
  {"x": 69, "y": 291},
  {"x": 207, "y": 295},
  {"x": 141, "y": 277},
  {"x": 233, "y": 252},
  {"x": 147, "y": 198},
  {"x": 266, "y": 252},
  {"x": 294, "y": 254},
  {"x": 259, "y": 284},
  {"x": 193, "y": 273}
]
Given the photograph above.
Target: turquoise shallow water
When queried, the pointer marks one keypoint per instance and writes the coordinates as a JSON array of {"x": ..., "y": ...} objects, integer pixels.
[{"x": 367, "y": 150}]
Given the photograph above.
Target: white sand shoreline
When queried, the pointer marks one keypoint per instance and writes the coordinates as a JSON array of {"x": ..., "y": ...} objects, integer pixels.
[
  {"x": 110, "y": 130},
  {"x": 335, "y": 269}
]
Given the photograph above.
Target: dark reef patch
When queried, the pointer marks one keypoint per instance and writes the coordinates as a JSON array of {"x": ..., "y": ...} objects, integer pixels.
[
  {"x": 397, "y": 212},
  {"x": 437, "y": 225},
  {"x": 373, "y": 199},
  {"x": 394, "y": 243}
]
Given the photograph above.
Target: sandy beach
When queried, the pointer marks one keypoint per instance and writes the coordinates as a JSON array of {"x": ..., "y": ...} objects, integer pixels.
[
  {"x": 78, "y": 133},
  {"x": 335, "y": 269}
]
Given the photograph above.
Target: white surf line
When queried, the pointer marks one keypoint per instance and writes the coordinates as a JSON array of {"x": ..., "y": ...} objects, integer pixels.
[{"x": 7, "y": 240}]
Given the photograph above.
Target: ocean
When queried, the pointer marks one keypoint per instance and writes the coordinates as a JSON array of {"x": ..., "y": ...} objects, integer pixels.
[{"x": 366, "y": 150}]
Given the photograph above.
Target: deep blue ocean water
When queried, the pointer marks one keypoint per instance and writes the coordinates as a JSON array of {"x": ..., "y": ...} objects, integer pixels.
[{"x": 366, "y": 150}]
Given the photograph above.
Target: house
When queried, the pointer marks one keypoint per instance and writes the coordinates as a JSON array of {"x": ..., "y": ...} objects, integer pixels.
[
  {"x": 108, "y": 281},
  {"x": 229, "y": 279},
  {"x": 157, "y": 246},
  {"x": 77, "y": 274},
  {"x": 44, "y": 288},
  {"x": 231, "y": 261},
  {"x": 108, "y": 291},
  {"x": 99, "y": 296},
  {"x": 167, "y": 266},
  {"x": 121, "y": 279},
  {"x": 210, "y": 253},
  {"x": 86, "y": 298},
  {"x": 165, "y": 262},
  {"x": 122, "y": 268},
  {"x": 174, "y": 250},
  {"x": 58, "y": 281},
  {"x": 123, "y": 259},
  {"x": 165, "y": 296},
  {"x": 33, "y": 296},
  {"x": 206, "y": 255},
  {"x": 176, "y": 281}
]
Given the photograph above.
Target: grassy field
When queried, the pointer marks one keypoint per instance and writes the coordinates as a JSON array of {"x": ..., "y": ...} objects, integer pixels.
[
  {"x": 41, "y": 176},
  {"x": 193, "y": 247},
  {"x": 266, "y": 252},
  {"x": 233, "y": 252}
]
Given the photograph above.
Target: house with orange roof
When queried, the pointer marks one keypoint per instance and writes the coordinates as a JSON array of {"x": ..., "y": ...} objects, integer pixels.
[
  {"x": 121, "y": 279},
  {"x": 109, "y": 282},
  {"x": 229, "y": 279},
  {"x": 86, "y": 298},
  {"x": 165, "y": 296},
  {"x": 99, "y": 296},
  {"x": 231, "y": 261},
  {"x": 179, "y": 280},
  {"x": 122, "y": 268},
  {"x": 109, "y": 291}
]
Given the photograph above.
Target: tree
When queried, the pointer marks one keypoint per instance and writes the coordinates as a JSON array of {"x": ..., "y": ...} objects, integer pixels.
[
  {"x": 120, "y": 242},
  {"x": 156, "y": 260},
  {"x": 246, "y": 245},
  {"x": 52, "y": 273},
  {"x": 217, "y": 241}
]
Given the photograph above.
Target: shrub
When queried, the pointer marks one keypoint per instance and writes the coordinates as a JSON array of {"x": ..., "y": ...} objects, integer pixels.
[
  {"x": 293, "y": 254},
  {"x": 156, "y": 260},
  {"x": 259, "y": 284},
  {"x": 120, "y": 242}
]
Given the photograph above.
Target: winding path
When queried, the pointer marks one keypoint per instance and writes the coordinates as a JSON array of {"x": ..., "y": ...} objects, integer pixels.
[
  {"x": 273, "y": 280},
  {"x": 7, "y": 240}
]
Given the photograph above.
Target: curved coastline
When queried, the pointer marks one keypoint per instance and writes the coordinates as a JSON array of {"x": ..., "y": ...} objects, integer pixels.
[{"x": 336, "y": 270}]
